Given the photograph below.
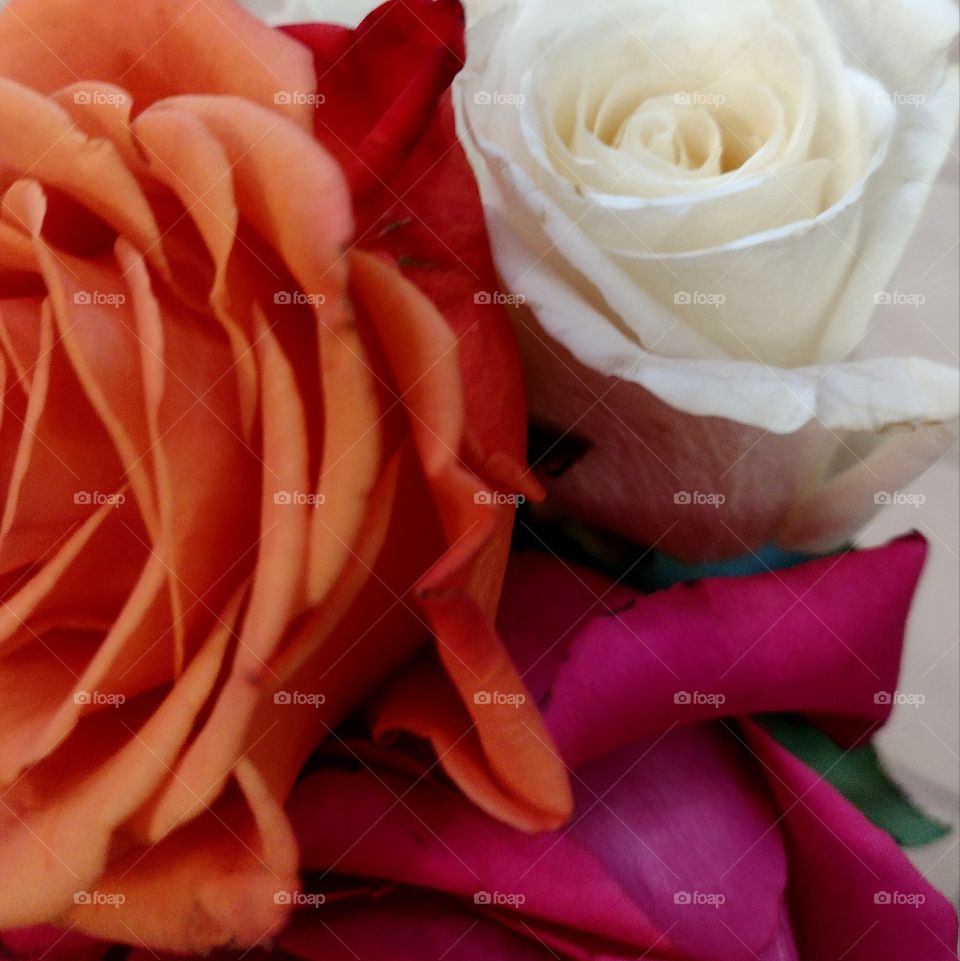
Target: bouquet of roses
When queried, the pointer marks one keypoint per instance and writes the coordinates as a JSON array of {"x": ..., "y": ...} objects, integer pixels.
[{"x": 317, "y": 643}]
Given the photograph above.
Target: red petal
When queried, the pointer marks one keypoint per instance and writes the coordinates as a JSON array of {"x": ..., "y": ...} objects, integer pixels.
[{"x": 380, "y": 83}]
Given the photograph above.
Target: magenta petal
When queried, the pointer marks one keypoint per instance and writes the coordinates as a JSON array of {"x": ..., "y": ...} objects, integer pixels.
[
  {"x": 405, "y": 925},
  {"x": 854, "y": 895},
  {"x": 628, "y": 665},
  {"x": 267, "y": 953},
  {"x": 257, "y": 954},
  {"x": 673, "y": 847},
  {"x": 685, "y": 824},
  {"x": 50, "y": 944},
  {"x": 391, "y": 827}
]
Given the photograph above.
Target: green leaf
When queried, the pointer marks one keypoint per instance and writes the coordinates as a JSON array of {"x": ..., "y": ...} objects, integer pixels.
[{"x": 860, "y": 777}]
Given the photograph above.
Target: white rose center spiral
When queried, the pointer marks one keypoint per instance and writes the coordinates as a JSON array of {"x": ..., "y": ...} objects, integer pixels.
[{"x": 690, "y": 129}]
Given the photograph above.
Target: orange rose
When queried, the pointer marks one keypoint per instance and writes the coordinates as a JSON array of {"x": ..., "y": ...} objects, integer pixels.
[{"x": 250, "y": 466}]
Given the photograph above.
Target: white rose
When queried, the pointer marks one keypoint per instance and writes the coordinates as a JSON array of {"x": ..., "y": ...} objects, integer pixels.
[{"x": 702, "y": 204}]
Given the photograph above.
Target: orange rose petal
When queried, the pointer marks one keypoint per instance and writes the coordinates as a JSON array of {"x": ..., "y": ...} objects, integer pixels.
[
  {"x": 11, "y": 420},
  {"x": 278, "y": 587},
  {"x": 36, "y": 401},
  {"x": 213, "y": 46},
  {"x": 103, "y": 346},
  {"x": 422, "y": 352},
  {"x": 422, "y": 700},
  {"x": 148, "y": 331},
  {"x": 506, "y": 473},
  {"x": 81, "y": 586},
  {"x": 127, "y": 660},
  {"x": 182, "y": 154},
  {"x": 289, "y": 189},
  {"x": 293, "y": 658},
  {"x": 153, "y": 820},
  {"x": 185, "y": 156},
  {"x": 191, "y": 545},
  {"x": 378, "y": 633},
  {"x": 218, "y": 879},
  {"x": 187, "y": 407},
  {"x": 277, "y": 595},
  {"x": 16, "y": 609},
  {"x": 33, "y": 683},
  {"x": 25, "y": 206},
  {"x": 329, "y": 653},
  {"x": 99, "y": 341},
  {"x": 16, "y": 251},
  {"x": 207, "y": 474},
  {"x": 460, "y": 593},
  {"x": 310, "y": 237},
  {"x": 191, "y": 410},
  {"x": 149, "y": 349},
  {"x": 73, "y": 588},
  {"x": 46, "y": 858},
  {"x": 138, "y": 653},
  {"x": 518, "y": 748},
  {"x": 56, "y": 445},
  {"x": 351, "y": 451},
  {"x": 50, "y": 149},
  {"x": 102, "y": 110},
  {"x": 20, "y": 335},
  {"x": 315, "y": 652},
  {"x": 294, "y": 195}
]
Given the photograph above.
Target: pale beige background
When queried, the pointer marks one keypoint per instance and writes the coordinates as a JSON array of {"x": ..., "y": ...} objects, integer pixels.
[{"x": 922, "y": 744}]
